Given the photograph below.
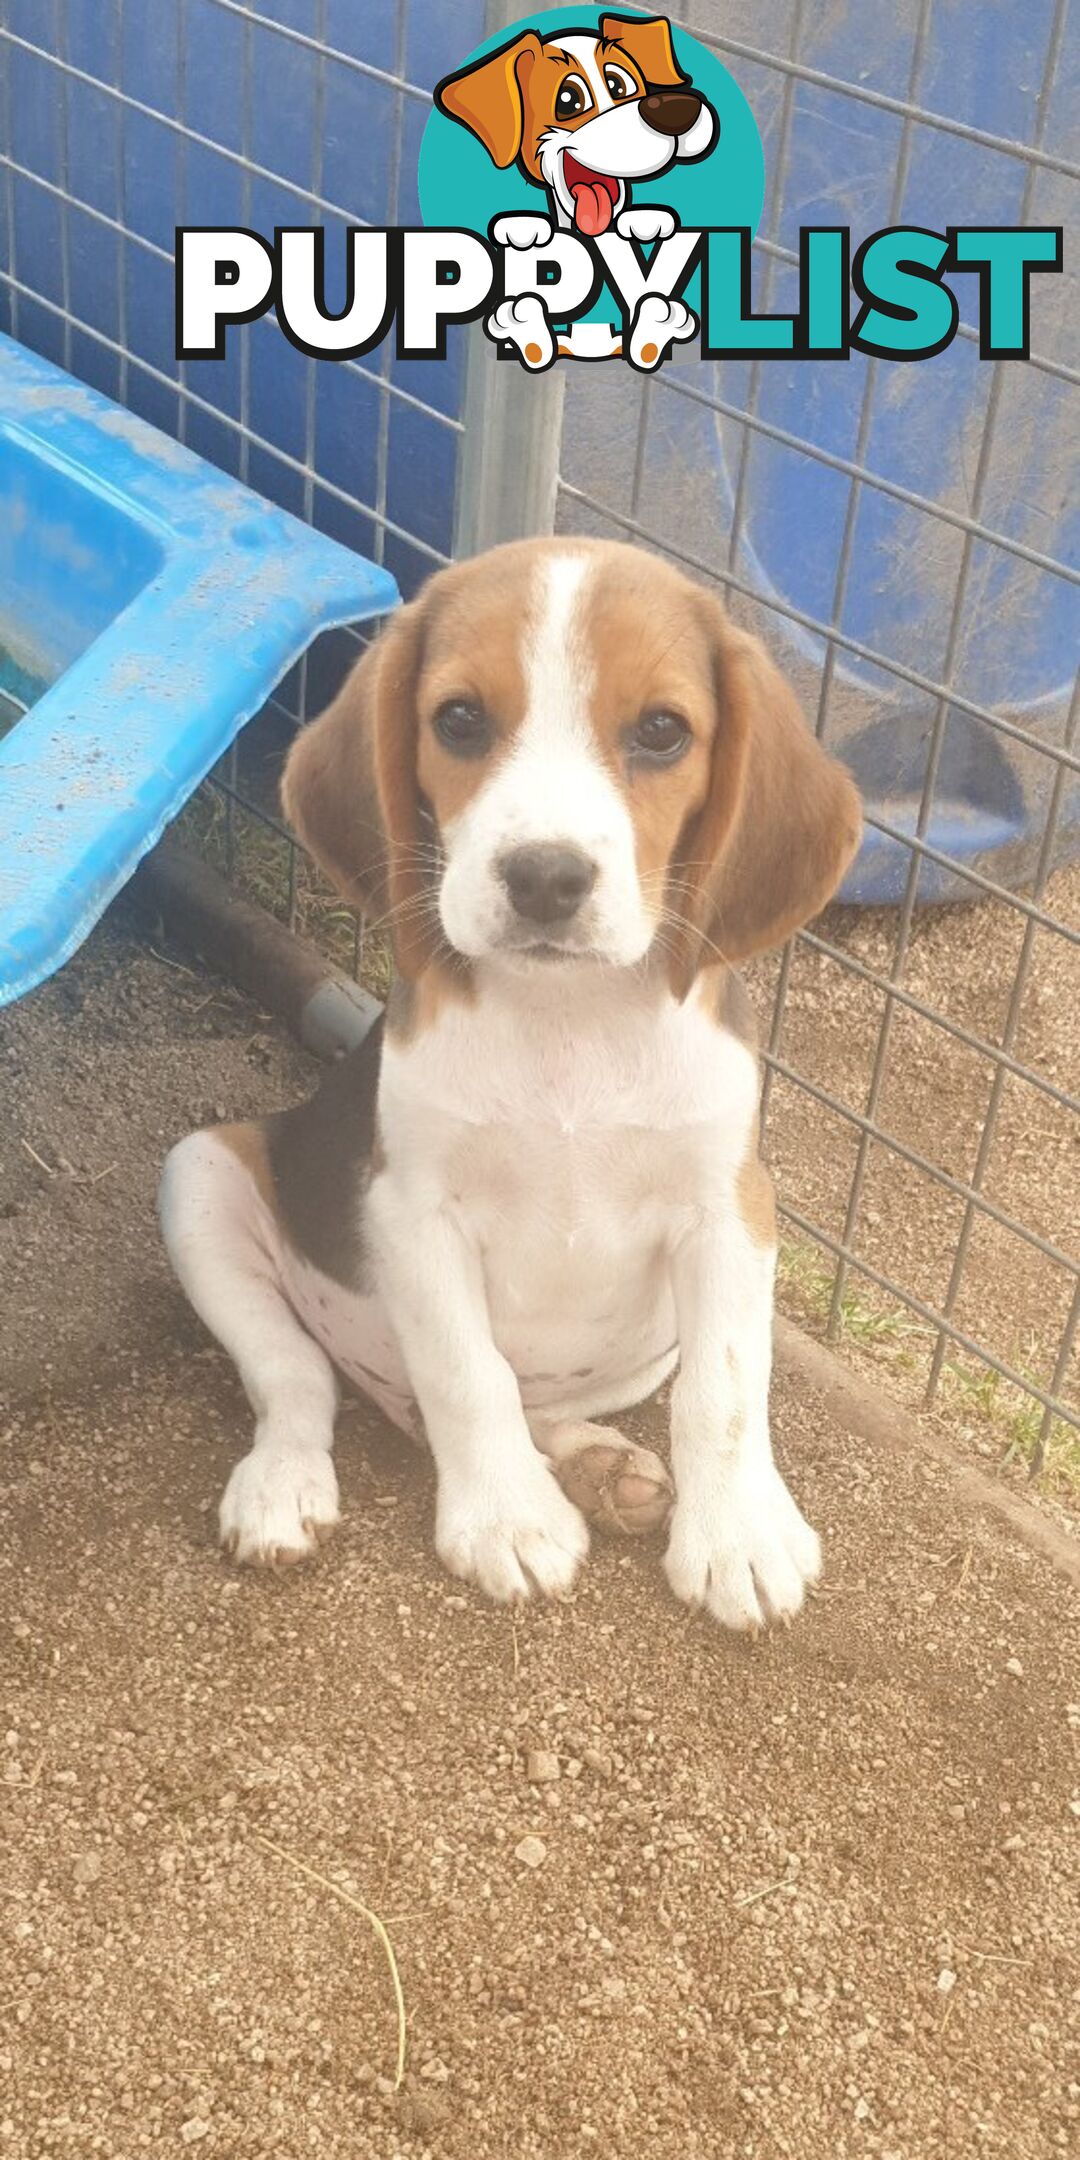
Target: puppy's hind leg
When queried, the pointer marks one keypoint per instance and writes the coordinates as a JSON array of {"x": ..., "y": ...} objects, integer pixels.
[
  {"x": 282, "y": 1499},
  {"x": 617, "y": 1486}
]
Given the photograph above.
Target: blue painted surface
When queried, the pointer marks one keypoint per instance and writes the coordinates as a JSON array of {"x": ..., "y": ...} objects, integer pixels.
[{"x": 155, "y": 604}]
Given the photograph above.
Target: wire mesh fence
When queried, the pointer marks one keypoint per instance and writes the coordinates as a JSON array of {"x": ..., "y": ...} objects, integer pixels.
[
  {"x": 898, "y": 536},
  {"x": 921, "y": 1117}
]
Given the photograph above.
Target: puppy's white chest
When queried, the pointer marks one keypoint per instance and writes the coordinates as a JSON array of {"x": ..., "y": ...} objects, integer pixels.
[
  {"x": 562, "y": 1199},
  {"x": 571, "y": 1228},
  {"x": 570, "y": 1157},
  {"x": 606, "y": 1066}
]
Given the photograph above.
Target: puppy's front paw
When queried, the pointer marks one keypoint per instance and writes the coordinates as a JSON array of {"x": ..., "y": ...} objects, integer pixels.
[
  {"x": 658, "y": 325},
  {"x": 512, "y": 1540},
  {"x": 740, "y": 1548},
  {"x": 279, "y": 1505},
  {"x": 521, "y": 229},
  {"x": 524, "y": 324},
  {"x": 646, "y": 222}
]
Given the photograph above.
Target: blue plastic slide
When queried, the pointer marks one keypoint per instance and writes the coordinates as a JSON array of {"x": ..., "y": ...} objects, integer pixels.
[{"x": 148, "y": 607}]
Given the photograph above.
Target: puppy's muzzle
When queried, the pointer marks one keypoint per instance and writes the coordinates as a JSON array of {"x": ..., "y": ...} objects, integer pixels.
[
  {"x": 547, "y": 881},
  {"x": 671, "y": 112}
]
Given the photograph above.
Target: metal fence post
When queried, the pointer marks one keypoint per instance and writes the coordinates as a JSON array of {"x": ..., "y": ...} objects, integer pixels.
[{"x": 508, "y": 473}]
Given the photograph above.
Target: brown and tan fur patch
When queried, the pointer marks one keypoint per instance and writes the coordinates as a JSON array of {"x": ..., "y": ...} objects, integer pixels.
[
  {"x": 248, "y": 1144},
  {"x": 356, "y": 781},
  {"x": 755, "y": 1197},
  {"x": 472, "y": 652},
  {"x": 649, "y": 650},
  {"x": 750, "y": 831},
  {"x": 309, "y": 1164},
  {"x": 413, "y": 1006}
]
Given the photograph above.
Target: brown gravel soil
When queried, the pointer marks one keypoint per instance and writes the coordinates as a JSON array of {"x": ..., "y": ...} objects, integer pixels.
[{"x": 812, "y": 1897}]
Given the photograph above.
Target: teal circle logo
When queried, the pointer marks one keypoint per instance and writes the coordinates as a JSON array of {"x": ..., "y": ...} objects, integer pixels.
[{"x": 579, "y": 116}]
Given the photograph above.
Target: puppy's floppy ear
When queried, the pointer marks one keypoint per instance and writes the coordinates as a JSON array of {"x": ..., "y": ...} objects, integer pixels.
[
  {"x": 489, "y": 97},
  {"x": 350, "y": 791},
  {"x": 781, "y": 821},
  {"x": 648, "y": 42}
]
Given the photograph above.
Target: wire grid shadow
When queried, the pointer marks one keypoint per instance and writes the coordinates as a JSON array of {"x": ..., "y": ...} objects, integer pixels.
[{"x": 897, "y": 535}]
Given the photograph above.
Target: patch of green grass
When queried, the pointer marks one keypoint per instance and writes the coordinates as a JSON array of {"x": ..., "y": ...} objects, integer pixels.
[
  {"x": 871, "y": 1323},
  {"x": 804, "y": 1279},
  {"x": 1017, "y": 1417},
  {"x": 1011, "y": 1416}
]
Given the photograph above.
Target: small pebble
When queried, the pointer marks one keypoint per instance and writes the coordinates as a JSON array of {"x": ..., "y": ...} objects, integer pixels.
[
  {"x": 1013, "y": 1666},
  {"x": 532, "y": 1852},
  {"x": 541, "y": 1766},
  {"x": 946, "y": 1981}
]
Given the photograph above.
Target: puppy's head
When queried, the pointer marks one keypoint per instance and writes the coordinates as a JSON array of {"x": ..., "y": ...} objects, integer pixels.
[
  {"x": 563, "y": 756},
  {"x": 582, "y": 114}
]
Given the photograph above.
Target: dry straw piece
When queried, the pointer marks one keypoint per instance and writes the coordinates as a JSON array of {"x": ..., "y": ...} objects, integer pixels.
[{"x": 376, "y": 1925}]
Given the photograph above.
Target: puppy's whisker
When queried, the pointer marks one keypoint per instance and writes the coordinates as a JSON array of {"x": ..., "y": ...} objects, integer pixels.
[{"x": 679, "y": 922}]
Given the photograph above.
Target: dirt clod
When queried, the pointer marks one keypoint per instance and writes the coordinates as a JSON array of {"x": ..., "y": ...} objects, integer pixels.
[{"x": 541, "y": 1766}]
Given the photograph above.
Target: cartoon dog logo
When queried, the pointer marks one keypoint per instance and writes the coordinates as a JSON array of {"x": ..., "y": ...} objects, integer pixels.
[{"x": 584, "y": 116}]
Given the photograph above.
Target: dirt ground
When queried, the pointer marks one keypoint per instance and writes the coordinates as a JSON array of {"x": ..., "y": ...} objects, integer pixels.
[{"x": 813, "y": 1897}]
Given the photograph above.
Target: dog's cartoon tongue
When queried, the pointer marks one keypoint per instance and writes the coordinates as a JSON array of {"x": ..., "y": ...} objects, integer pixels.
[
  {"x": 594, "y": 194},
  {"x": 592, "y": 207}
]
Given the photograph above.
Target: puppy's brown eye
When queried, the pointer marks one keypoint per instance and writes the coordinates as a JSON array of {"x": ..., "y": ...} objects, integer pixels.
[
  {"x": 659, "y": 738},
  {"x": 572, "y": 98},
  {"x": 463, "y": 728},
  {"x": 619, "y": 85}
]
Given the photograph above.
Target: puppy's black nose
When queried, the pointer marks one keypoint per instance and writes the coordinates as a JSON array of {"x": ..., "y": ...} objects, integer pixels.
[
  {"x": 548, "y": 881},
  {"x": 671, "y": 112}
]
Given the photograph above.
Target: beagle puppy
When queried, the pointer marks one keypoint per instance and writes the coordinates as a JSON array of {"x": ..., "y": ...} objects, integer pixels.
[
  {"x": 583, "y": 115},
  {"x": 577, "y": 794}
]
